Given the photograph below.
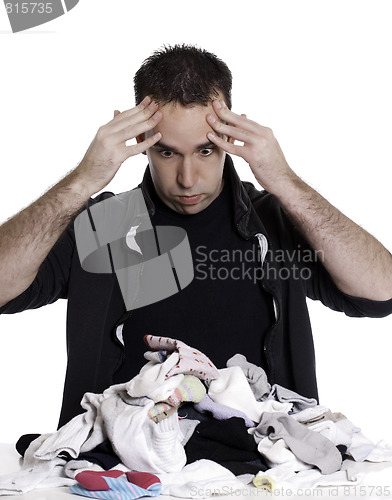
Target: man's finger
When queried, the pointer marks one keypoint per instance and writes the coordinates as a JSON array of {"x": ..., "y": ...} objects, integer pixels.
[
  {"x": 141, "y": 147},
  {"x": 136, "y": 129},
  {"x": 133, "y": 118},
  {"x": 236, "y": 133},
  {"x": 133, "y": 111},
  {"x": 227, "y": 146},
  {"x": 226, "y": 115}
]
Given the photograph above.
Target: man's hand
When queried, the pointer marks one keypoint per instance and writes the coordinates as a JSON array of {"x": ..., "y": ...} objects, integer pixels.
[
  {"x": 108, "y": 150},
  {"x": 260, "y": 149},
  {"x": 358, "y": 263},
  {"x": 27, "y": 238}
]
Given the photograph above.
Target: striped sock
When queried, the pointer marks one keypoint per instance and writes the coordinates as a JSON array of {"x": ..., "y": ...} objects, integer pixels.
[{"x": 139, "y": 484}]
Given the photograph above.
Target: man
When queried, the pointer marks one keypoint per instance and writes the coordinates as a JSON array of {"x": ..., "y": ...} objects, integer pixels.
[{"x": 257, "y": 254}]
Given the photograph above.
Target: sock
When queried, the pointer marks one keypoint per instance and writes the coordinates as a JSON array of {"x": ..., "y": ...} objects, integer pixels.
[
  {"x": 35, "y": 473},
  {"x": 143, "y": 479},
  {"x": 24, "y": 442},
  {"x": 93, "y": 480},
  {"x": 161, "y": 411},
  {"x": 284, "y": 395},
  {"x": 222, "y": 441},
  {"x": 190, "y": 389},
  {"x": 117, "y": 485},
  {"x": 152, "y": 375},
  {"x": 255, "y": 375},
  {"x": 221, "y": 412},
  {"x": 309, "y": 446},
  {"x": 140, "y": 443},
  {"x": 102, "y": 455},
  {"x": 191, "y": 362},
  {"x": 232, "y": 389},
  {"x": 205, "y": 476}
]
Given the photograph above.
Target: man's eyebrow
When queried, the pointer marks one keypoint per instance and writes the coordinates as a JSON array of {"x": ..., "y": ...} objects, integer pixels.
[
  {"x": 163, "y": 146},
  {"x": 206, "y": 145}
]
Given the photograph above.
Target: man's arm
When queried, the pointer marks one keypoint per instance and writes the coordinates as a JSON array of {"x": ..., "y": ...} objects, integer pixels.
[
  {"x": 27, "y": 238},
  {"x": 358, "y": 263}
]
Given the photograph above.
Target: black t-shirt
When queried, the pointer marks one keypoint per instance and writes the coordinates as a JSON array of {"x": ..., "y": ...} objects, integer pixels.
[{"x": 224, "y": 310}]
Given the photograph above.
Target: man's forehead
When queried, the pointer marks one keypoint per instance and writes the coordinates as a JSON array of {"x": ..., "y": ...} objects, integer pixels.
[
  {"x": 177, "y": 109},
  {"x": 184, "y": 124}
]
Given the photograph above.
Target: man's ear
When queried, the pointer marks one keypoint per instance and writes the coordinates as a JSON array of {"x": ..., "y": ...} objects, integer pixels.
[{"x": 139, "y": 139}]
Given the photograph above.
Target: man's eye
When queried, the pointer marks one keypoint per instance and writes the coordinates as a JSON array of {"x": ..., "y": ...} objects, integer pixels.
[
  {"x": 206, "y": 151},
  {"x": 166, "y": 153}
]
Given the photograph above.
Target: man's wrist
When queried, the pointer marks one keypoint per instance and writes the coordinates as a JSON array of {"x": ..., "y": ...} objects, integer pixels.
[
  {"x": 286, "y": 186},
  {"x": 78, "y": 186}
]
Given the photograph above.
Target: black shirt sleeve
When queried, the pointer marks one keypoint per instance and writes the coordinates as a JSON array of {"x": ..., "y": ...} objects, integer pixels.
[
  {"x": 321, "y": 287},
  {"x": 319, "y": 284}
]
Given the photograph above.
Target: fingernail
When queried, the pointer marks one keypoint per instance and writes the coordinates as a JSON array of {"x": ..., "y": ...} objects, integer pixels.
[
  {"x": 211, "y": 118},
  {"x": 211, "y": 135},
  {"x": 218, "y": 104},
  {"x": 224, "y": 104},
  {"x": 145, "y": 101}
]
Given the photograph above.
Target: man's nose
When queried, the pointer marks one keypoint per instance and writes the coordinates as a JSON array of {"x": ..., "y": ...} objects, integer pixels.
[{"x": 187, "y": 172}]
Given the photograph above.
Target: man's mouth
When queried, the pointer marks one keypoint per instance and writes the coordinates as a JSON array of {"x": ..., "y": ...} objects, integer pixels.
[{"x": 190, "y": 200}]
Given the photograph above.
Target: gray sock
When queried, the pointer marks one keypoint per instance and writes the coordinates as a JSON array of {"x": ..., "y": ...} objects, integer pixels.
[
  {"x": 284, "y": 395},
  {"x": 309, "y": 446},
  {"x": 255, "y": 375}
]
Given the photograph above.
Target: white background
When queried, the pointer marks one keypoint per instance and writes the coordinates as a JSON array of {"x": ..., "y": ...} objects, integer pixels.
[{"x": 317, "y": 72}]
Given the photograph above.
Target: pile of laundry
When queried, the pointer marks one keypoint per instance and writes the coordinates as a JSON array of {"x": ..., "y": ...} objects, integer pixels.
[{"x": 182, "y": 427}]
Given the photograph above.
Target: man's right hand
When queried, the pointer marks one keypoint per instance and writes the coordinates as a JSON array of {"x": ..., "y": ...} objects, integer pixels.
[
  {"x": 27, "y": 238},
  {"x": 108, "y": 150}
]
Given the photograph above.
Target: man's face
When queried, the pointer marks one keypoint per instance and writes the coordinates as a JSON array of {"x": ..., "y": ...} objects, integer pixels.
[{"x": 186, "y": 168}]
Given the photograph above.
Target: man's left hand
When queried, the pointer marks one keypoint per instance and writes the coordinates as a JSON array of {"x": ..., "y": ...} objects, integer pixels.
[{"x": 259, "y": 147}]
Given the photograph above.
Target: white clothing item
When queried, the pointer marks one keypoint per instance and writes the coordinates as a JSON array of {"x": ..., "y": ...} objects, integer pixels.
[
  {"x": 73, "y": 467},
  {"x": 165, "y": 390},
  {"x": 362, "y": 449},
  {"x": 310, "y": 413},
  {"x": 278, "y": 453},
  {"x": 84, "y": 429},
  {"x": 35, "y": 473},
  {"x": 232, "y": 389},
  {"x": 340, "y": 432},
  {"x": 151, "y": 376},
  {"x": 140, "y": 443},
  {"x": 87, "y": 430},
  {"x": 198, "y": 480},
  {"x": 381, "y": 453},
  {"x": 287, "y": 479}
]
